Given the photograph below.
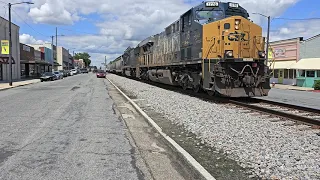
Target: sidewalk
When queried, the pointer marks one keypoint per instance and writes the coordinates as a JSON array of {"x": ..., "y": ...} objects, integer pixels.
[
  {"x": 290, "y": 87},
  {"x": 5, "y": 85}
]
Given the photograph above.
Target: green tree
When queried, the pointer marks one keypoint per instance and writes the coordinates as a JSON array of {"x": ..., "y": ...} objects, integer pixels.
[{"x": 85, "y": 56}]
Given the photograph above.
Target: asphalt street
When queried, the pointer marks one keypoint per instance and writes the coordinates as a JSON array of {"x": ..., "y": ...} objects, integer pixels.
[
  {"x": 301, "y": 98},
  {"x": 65, "y": 129}
]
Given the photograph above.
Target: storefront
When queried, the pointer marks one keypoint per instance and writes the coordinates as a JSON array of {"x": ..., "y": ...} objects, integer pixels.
[
  {"x": 284, "y": 54},
  {"x": 308, "y": 71}
]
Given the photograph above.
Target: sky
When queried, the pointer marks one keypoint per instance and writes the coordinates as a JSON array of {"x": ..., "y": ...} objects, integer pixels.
[{"x": 105, "y": 28}]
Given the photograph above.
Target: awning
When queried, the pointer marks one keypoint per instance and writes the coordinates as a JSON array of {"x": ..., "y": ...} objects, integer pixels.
[
  {"x": 281, "y": 64},
  {"x": 308, "y": 64}
]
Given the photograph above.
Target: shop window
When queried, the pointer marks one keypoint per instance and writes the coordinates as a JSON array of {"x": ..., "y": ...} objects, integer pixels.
[
  {"x": 286, "y": 73},
  {"x": 303, "y": 73},
  {"x": 310, "y": 73},
  {"x": 276, "y": 71},
  {"x": 318, "y": 73},
  {"x": 292, "y": 74}
]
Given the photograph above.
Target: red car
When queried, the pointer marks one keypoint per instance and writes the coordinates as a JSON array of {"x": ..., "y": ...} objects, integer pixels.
[{"x": 101, "y": 74}]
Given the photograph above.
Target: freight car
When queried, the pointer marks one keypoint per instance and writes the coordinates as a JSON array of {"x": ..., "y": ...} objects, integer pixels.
[
  {"x": 213, "y": 46},
  {"x": 115, "y": 66}
]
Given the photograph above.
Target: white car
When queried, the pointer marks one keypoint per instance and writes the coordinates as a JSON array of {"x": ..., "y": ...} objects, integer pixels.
[{"x": 73, "y": 72}]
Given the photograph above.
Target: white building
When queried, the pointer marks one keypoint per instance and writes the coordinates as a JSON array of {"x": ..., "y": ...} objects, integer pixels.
[
  {"x": 64, "y": 58},
  {"x": 4, "y": 59}
]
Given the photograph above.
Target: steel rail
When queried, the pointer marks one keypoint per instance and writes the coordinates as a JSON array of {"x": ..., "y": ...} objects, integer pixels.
[{"x": 294, "y": 117}]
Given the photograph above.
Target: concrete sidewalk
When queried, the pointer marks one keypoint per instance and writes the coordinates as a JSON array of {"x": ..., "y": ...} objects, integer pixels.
[
  {"x": 5, "y": 85},
  {"x": 290, "y": 87}
]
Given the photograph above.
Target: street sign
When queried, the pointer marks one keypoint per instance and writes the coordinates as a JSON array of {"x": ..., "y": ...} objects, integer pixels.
[{"x": 4, "y": 47}]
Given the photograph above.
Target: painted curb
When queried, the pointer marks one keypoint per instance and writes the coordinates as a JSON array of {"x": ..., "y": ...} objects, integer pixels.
[
  {"x": 18, "y": 86},
  {"x": 195, "y": 164}
]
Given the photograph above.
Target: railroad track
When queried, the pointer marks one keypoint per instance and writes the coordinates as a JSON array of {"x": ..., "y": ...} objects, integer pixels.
[
  {"x": 299, "y": 114},
  {"x": 284, "y": 111}
]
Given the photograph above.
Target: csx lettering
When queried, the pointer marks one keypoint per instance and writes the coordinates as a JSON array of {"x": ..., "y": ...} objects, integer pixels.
[{"x": 236, "y": 36}]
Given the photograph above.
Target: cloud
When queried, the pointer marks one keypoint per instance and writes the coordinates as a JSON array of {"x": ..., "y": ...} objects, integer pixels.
[
  {"x": 53, "y": 12},
  {"x": 292, "y": 29},
  {"x": 28, "y": 39},
  {"x": 126, "y": 22}
]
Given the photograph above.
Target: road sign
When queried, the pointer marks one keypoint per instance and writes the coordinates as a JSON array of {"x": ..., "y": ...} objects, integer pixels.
[{"x": 4, "y": 47}]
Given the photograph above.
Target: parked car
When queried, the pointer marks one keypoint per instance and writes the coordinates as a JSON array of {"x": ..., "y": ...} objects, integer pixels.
[
  {"x": 48, "y": 76},
  {"x": 58, "y": 74},
  {"x": 64, "y": 73},
  {"x": 84, "y": 70},
  {"x": 73, "y": 72},
  {"x": 101, "y": 74}
]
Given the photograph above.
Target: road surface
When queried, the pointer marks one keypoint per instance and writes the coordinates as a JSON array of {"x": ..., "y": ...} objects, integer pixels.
[
  {"x": 66, "y": 129},
  {"x": 301, "y": 98}
]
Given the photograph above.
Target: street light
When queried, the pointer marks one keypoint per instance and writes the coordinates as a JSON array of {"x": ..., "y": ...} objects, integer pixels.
[
  {"x": 268, "y": 34},
  {"x": 10, "y": 42}
]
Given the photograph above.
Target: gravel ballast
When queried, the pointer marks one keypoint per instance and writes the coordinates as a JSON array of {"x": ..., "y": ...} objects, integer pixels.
[{"x": 271, "y": 149}]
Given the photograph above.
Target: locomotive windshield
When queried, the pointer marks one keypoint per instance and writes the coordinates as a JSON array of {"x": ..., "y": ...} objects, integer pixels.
[{"x": 208, "y": 16}]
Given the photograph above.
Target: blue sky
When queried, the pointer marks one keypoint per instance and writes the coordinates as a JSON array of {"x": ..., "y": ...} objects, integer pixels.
[{"x": 105, "y": 30}]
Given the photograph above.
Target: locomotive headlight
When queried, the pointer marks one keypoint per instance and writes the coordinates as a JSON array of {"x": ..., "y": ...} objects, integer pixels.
[
  {"x": 262, "y": 54},
  {"x": 229, "y": 53},
  {"x": 237, "y": 22},
  {"x": 236, "y": 27}
]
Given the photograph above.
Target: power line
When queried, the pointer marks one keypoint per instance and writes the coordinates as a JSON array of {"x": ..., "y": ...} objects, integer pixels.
[
  {"x": 304, "y": 19},
  {"x": 28, "y": 24}
]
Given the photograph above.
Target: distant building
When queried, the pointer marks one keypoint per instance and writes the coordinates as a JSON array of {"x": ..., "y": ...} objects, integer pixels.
[
  {"x": 48, "y": 49},
  {"x": 79, "y": 63},
  {"x": 64, "y": 58},
  {"x": 4, "y": 59},
  {"x": 295, "y": 61},
  {"x": 33, "y": 62},
  {"x": 308, "y": 66},
  {"x": 285, "y": 53}
]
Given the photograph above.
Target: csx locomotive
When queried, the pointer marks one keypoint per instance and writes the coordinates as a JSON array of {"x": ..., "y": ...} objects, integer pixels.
[{"x": 213, "y": 46}]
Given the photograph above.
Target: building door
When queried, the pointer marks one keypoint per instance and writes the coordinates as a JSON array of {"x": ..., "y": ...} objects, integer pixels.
[{"x": 280, "y": 78}]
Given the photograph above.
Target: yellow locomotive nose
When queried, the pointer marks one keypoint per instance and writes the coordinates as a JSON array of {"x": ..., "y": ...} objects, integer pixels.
[{"x": 232, "y": 38}]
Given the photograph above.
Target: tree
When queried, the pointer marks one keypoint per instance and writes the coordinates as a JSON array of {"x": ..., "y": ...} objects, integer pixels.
[{"x": 85, "y": 56}]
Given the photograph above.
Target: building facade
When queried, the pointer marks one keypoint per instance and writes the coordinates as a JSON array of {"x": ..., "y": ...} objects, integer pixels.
[
  {"x": 308, "y": 66},
  {"x": 285, "y": 53},
  {"x": 64, "y": 58},
  {"x": 79, "y": 63},
  {"x": 48, "y": 49},
  {"x": 4, "y": 59}
]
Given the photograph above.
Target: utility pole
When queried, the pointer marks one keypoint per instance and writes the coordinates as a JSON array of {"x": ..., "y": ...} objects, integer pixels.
[
  {"x": 105, "y": 63},
  {"x": 268, "y": 34},
  {"x": 10, "y": 48},
  {"x": 57, "y": 45},
  {"x": 73, "y": 59},
  {"x": 52, "y": 68},
  {"x": 68, "y": 60}
]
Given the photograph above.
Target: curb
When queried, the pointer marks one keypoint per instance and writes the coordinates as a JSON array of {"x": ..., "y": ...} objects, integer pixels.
[
  {"x": 293, "y": 89},
  {"x": 194, "y": 163},
  {"x": 18, "y": 86}
]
